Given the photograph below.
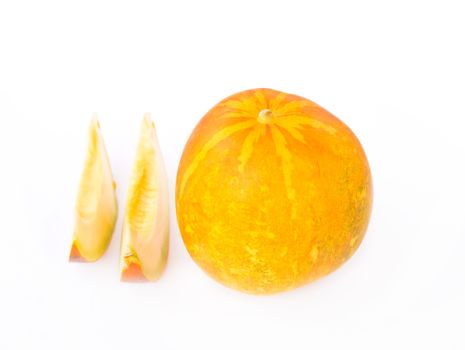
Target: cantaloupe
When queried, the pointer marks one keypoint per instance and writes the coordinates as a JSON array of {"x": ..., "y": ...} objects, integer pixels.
[
  {"x": 96, "y": 205},
  {"x": 272, "y": 192},
  {"x": 145, "y": 237}
]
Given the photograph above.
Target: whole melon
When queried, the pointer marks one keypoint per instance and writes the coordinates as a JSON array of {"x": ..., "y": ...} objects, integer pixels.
[{"x": 272, "y": 192}]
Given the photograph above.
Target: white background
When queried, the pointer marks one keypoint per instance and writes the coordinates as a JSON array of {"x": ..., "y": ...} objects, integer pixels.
[{"x": 392, "y": 70}]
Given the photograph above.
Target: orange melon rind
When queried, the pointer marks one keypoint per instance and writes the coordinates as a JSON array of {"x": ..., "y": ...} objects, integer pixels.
[
  {"x": 75, "y": 255},
  {"x": 132, "y": 271}
]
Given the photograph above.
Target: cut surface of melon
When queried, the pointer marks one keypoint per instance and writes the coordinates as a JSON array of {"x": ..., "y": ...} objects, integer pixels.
[
  {"x": 96, "y": 206},
  {"x": 145, "y": 237}
]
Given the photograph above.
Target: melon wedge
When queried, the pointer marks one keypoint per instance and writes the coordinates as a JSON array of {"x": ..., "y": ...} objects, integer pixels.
[
  {"x": 145, "y": 237},
  {"x": 96, "y": 206}
]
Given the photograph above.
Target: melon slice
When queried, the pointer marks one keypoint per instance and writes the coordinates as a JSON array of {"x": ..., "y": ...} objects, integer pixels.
[
  {"x": 96, "y": 205},
  {"x": 145, "y": 237}
]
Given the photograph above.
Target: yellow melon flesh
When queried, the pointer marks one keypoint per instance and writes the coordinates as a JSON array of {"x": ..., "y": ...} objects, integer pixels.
[
  {"x": 145, "y": 238},
  {"x": 96, "y": 205}
]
